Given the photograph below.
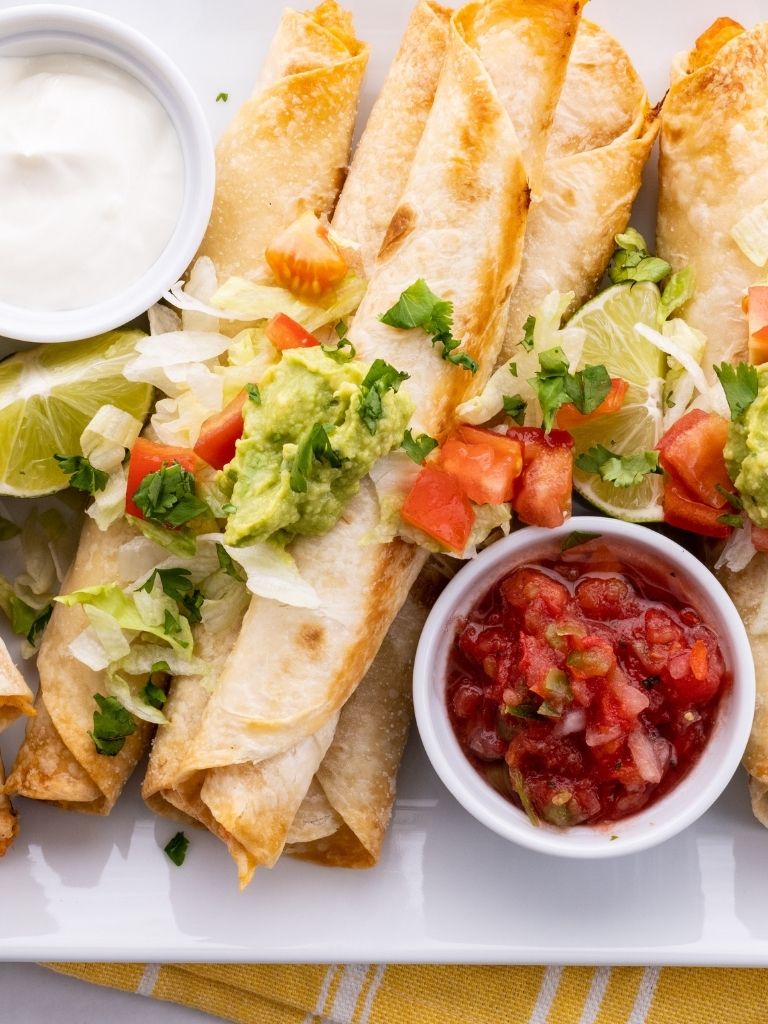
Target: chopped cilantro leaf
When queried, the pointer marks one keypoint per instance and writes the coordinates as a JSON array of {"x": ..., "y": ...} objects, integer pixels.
[
  {"x": 578, "y": 537},
  {"x": 228, "y": 565},
  {"x": 315, "y": 446},
  {"x": 527, "y": 339},
  {"x": 515, "y": 406},
  {"x": 731, "y": 519},
  {"x": 344, "y": 352},
  {"x": 111, "y": 725},
  {"x": 513, "y": 369},
  {"x": 176, "y": 848},
  {"x": 619, "y": 470},
  {"x": 632, "y": 262},
  {"x": 733, "y": 499},
  {"x": 555, "y": 386},
  {"x": 25, "y": 620},
  {"x": 167, "y": 496},
  {"x": 252, "y": 390},
  {"x": 222, "y": 97},
  {"x": 381, "y": 377},
  {"x": 418, "y": 448},
  {"x": 177, "y": 584},
  {"x": 740, "y": 385},
  {"x": 153, "y": 695},
  {"x": 160, "y": 666},
  {"x": 418, "y": 306},
  {"x": 82, "y": 475},
  {"x": 678, "y": 289},
  {"x": 171, "y": 624}
]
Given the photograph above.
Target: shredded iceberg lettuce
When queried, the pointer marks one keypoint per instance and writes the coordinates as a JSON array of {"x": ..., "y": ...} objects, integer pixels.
[
  {"x": 750, "y": 233},
  {"x": 513, "y": 378},
  {"x": 253, "y": 301},
  {"x": 163, "y": 320},
  {"x": 117, "y": 686},
  {"x": 738, "y": 551},
  {"x": 270, "y": 572},
  {"x": 176, "y": 541},
  {"x": 202, "y": 285},
  {"x": 683, "y": 345},
  {"x": 105, "y": 439}
]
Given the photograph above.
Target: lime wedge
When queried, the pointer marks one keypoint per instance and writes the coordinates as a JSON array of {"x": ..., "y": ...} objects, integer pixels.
[
  {"x": 49, "y": 394},
  {"x": 609, "y": 320}
]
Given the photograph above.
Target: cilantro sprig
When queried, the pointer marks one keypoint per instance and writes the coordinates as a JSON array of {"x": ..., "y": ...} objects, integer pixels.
[
  {"x": 619, "y": 470},
  {"x": 418, "y": 306},
  {"x": 555, "y": 386},
  {"x": 168, "y": 496},
  {"x": 381, "y": 377},
  {"x": 633, "y": 262},
  {"x": 82, "y": 475},
  {"x": 112, "y": 725},
  {"x": 740, "y": 385},
  {"x": 418, "y": 448},
  {"x": 314, "y": 447},
  {"x": 176, "y": 848}
]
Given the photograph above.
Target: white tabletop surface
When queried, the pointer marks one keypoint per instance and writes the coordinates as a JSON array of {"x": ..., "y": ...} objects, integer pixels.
[{"x": 35, "y": 995}]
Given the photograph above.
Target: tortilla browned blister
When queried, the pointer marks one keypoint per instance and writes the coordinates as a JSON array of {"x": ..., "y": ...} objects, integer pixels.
[
  {"x": 378, "y": 174},
  {"x": 713, "y": 170},
  {"x": 600, "y": 141},
  {"x": 601, "y": 137},
  {"x": 287, "y": 149},
  {"x": 459, "y": 224},
  {"x": 15, "y": 699}
]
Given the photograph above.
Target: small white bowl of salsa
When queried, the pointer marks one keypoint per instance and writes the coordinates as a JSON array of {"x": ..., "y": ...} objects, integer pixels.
[{"x": 586, "y": 691}]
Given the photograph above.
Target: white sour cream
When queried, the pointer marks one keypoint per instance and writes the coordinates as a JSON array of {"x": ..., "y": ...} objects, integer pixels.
[{"x": 91, "y": 181}]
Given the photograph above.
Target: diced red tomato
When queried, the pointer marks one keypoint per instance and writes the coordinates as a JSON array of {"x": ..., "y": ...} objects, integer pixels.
[
  {"x": 569, "y": 416},
  {"x": 694, "y": 516},
  {"x": 285, "y": 333},
  {"x": 758, "y": 324},
  {"x": 760, "y": 538},
  {"x": 304, "y": 259},
  {"x": 220, "y": 432},
  {"x": 147, "y": 457},
  {"x": 544, "y": 491},
  {"x": 691, "y": 452},
  {"x": 485, "y": 469},
  {"x": 438, "y": 505}
]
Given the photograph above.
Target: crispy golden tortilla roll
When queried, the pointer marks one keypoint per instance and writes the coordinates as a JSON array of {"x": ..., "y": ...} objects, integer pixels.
[
  {"x": 460, "y": 225},
  {"x": 343, "y": 819},
  {"x": 15, "y": 699},
  {"x": 315, "y": 64},
  {"x": 601, "y": 138},
  {"x": 58, "y": 760},
  {"x": 713, "y": 169},
  {"x": 384, "y": 155},
  {"x": 15, "y": 696},
  {"x": 288, "y": 146},
  {"x": 9, "y": 823},
  {"x": 377, "y": 176}
]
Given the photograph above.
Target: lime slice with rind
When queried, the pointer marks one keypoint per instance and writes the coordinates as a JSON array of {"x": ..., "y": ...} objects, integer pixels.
[
  {"x": 609, "y": 321},
  {"x": 49, "y": 394}
]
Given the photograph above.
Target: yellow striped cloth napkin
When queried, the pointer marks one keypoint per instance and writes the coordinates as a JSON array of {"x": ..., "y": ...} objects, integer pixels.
[{"x": 422, "y": 994}]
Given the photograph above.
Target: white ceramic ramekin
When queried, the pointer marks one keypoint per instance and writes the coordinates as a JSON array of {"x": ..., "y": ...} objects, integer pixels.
[
  {"x": 672, "y": 812},
  {"x": 51, "y": 28}
]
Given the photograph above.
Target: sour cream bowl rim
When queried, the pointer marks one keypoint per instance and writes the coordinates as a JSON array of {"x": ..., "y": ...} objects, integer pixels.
[
  {"x": 671, "y": 813},
  {"x": 50, "y": 28}
]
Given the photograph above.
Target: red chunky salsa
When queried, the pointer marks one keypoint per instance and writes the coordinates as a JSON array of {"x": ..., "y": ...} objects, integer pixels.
[{"x": 582, "y": 687}]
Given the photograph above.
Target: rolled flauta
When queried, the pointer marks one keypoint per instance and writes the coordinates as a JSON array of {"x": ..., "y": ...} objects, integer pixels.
[
  {"x": 601, "y": 138},
  {"x": 602, "y": 134},
  {"x": 377, "y": 176},
  {"x": 460, "y": 225},
  {"x": 303, "y": 110},
  {"x": 15, "y": 699},
  {"x": 713, "y": 170}
]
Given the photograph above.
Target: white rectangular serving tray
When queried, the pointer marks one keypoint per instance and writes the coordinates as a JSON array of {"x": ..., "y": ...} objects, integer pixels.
[{"x": 447, "y": 890}]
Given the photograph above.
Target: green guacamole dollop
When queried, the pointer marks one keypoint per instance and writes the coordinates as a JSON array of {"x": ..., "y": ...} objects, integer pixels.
[
  {"x": 746, "y": 453},
  {"x": 305, "y": 388}
]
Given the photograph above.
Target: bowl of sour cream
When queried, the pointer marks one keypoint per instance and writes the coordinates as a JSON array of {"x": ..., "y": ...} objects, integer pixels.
[{"x": 107, "y": 173}]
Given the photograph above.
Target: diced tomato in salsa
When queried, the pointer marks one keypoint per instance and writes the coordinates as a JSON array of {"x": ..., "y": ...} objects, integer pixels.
[
  {"x": 543, "y": 495},
  {"x": 147, "y": 457},
  {"x": 582, "y": 694},
  {"x": 220, "y": 433}
]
